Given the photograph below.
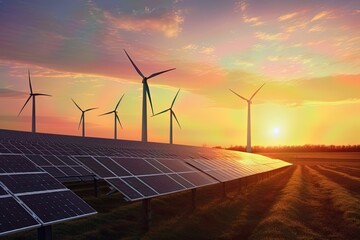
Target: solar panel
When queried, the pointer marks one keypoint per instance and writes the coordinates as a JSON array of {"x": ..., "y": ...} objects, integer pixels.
[
  {"x": 162, "y": 184},
  {"x": 14, "y": 218},
  {"x": 23, "y": 183},
  {"x": 129, "y": 192},
  {"x": 52, "y": 207},
  {"x": 96, "y": 167},
  {"x": 137, "y": 170},
  {"x": 62, "y": 167},
  {"x": 31, "y": 198},
  {"x": 137, "y": 166},
  {"x": 16, "y": 163}
]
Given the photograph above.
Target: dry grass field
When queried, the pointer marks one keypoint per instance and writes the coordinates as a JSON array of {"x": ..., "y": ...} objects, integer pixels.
[{"x": 317, "y": 198}]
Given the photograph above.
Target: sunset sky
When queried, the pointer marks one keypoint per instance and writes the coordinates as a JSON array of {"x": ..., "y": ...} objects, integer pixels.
[{"x": 307, "y": 52}]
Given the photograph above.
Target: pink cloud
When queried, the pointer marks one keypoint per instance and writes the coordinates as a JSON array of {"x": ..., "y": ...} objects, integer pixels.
[{"x": 166, "y": 22}]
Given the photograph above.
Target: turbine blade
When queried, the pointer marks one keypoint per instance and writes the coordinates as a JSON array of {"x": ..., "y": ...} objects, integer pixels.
[
  {"x": 175, "y": 98},
  {"x": 158, "y": 73},
  {"x": 136, "y": 68},
  {"x": 161, "y": 112},
  {"x": 42, "y": 94},
  {"x": 24, "y": 105},
  {"x": 148, "y": 93},
  {"x": 77, "y": 105},
  {"x": 117, "y": 105},
  {"x": 238, "y": 95},
  {"x": 173, "y": 113},
  {"x": 81, "y": 119},
  {"x": 118, "y": 119},
  {"x": 106, "y": 113},
  {"x": 31, "y": 91},
  {"x": 89, "y": 109},
  {"x": 256, "y": 91}
]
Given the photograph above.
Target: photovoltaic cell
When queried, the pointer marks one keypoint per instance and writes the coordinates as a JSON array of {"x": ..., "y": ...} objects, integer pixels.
[
  {"x": 69, "y": 171},
  {"x": 140, "y": 186},
  {"x": 136, "y": 166},
  {"x": 39, "y": 160},
  {"x": 16, "y": 163},
  {"x": 198, "y": 178},
  {"x": 67, "y": 160},
  {"x": 54, "y": 171},
  {"x": 182, "y": 181},
  {"x": 95, "y": 166},
  {"x": 114, "y": 167},
  {"x": 13, "y": 217},
  {"x": 53, "y": 160},
  {"x": 159, "y": 166},
  {"x": 162, "y": 183},
  {"x": 22, "y": 183},
  {"x": 82, "y": 171},
  {"x": 176, "y": 165},
  {"x": 57, "y": 206},
  {"x": 121, "y": 186}
]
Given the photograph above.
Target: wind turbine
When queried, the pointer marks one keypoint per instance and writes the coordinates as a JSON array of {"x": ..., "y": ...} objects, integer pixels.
[
  {"x": 32, "y": 95},
  {"x": 172, "y": 113},
  {"x": 146, "y": 91},
  {"x": 249, "y": 101},
  {"x": 116, "y": 117},
  {"x": 82, "y": 119}
]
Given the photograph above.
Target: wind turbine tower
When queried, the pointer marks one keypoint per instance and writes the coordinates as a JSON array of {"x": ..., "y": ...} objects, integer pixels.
[
  {"x": 116, "y": 117},
  {"x": 249, "y": 102},
  {"x": 82, "y": 119},
  {"x": 172, "y": 113},
  {"x": 146, "y": 91},
  {"x": 33, "y": 96}
]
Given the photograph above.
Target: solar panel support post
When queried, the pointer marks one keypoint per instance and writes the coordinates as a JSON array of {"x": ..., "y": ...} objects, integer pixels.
[
  {"x": 146, "y": 205},
  {"x": 45, "y": 233},
  {"x": 193, "y": 199},
  {"x": 223, "y": 190},
  {"x": 96, "y": 187}
]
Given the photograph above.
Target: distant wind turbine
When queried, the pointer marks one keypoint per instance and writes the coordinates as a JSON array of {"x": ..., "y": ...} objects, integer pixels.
[
  {"x": 172, "y": 113},
  {"x": 116, "y": 117},
  {"x": 249, "y": 101},
  {"x": 32, "y": 95},
  {"x": 82, "y": 119},
  {"x": 146, "y": 90}
]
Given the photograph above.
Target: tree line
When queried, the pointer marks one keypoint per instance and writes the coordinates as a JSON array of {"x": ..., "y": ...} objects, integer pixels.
[{"x": 297, "y": 148}]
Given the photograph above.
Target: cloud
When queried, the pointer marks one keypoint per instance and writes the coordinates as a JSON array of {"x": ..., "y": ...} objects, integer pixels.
[
  {"x": 207, "y": 50},
  {"x": 317, "y": 28},
  {"x": 271, "y": 37},
  {"x": 165, "y": 21},
  {"x": 320, "y": 15},
  {"x": 6, "y": 92},
  {"x": 287, "y": 16}
]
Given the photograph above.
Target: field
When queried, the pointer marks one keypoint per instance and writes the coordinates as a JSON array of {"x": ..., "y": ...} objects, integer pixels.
[{"x": 317, "y": 198}]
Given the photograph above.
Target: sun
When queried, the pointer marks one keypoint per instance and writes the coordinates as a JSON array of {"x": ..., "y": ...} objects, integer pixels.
[{"x": 276, "y": 131}]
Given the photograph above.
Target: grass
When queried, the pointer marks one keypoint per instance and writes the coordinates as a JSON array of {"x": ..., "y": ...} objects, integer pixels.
[
  {"x": 317, "y": 198},
  {"x": 348, "y": 204}
]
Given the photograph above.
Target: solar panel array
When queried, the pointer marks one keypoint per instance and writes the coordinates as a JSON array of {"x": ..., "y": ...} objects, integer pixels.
[
  {"x": 30, "y": 197},
  {"x": 139, "y": 178},
  {"x": 138, "y": 170}
]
